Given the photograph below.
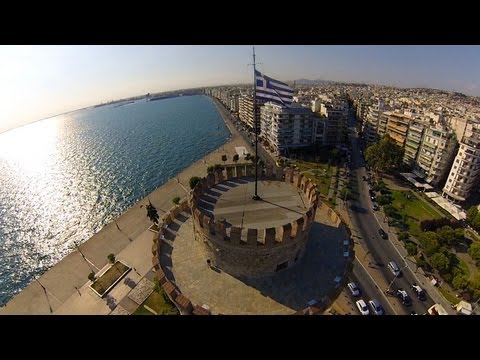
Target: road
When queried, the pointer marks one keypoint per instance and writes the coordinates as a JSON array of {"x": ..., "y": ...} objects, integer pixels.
[
  {"x": 368, "y": 287},
  {"x": 249, "y": 137},
  {"x": 367, "y": 225}
]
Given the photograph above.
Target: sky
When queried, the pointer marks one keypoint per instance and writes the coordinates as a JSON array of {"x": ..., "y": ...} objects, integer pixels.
[{"x": 41, "y": 81}]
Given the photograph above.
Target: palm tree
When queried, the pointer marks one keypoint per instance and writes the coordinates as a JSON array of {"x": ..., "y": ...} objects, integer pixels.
[{"x": 152, "y": 213}]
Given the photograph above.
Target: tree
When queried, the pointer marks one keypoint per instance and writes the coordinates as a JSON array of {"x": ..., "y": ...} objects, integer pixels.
[
  {"x": 446, "y": 235},
  {"x": 440, "y": 262},
  {"x": 111, "y": 258},
  {"x": 474, "y": 251},
  {"x": 403, "y": 236},
  {"x": 460, "y": 282},
  {"x": 429, "y": 241},
  {"x": 91, "y": 276},
  {"x": 472, "y": 212},
  {"x": 411, "y": 248},
  {"x": 176, "y": 200},
  {"x": 459, "y": 234},
  {"x": 385, "y": 155},
  {"x": 224, "y": 158},
  {"x": 194, "y": 180},
  {"x": 235, "y": 158},
  {"x": 152, "y": 213}
]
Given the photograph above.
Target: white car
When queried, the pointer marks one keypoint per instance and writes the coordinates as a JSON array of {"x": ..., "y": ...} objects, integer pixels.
[
  {"x": 353, "y": 288},
  {"x": 362, "y": 307}
]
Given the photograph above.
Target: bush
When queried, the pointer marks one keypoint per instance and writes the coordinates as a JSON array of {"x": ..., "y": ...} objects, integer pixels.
[
  {"x": 384, "y": 199},
  {"x": 224, "y": 158},
  {"x": 91, "y": 276},
  {"x": 434, "y": 224},
  {"x": 474, "y": 251},
  {"x": 403, "y": 236},
  {"x": 235, "y": 157},
  {"x": 194, "y": 181},
  {"x": 111, "y": 258},
  {"x": 411, "y": 248},
  {"x": 176, "y": 200}
]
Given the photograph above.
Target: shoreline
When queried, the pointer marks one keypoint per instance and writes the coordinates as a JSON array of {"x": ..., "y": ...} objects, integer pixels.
[{"x": 51, "y": 290}]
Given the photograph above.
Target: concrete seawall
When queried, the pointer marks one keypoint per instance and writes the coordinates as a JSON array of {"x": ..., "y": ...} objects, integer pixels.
[{"x": 58, "y": 284}]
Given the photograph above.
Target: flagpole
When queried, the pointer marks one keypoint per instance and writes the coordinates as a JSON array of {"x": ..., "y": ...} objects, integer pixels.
[{"x": 255, "y": 197}]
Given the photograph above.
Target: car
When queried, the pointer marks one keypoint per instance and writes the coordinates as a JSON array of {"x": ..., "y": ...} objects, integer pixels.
[
  {"x": 394, "y": 268},
  {"x": 377, "y": 309},
  {"x": 404, "y": 297},
  {"x": 375, "y": 206},
  {"x": 419, "y": 292},
  {"x": 382, "y": 233},
  {"x": 362, "y": 307},
  {"x": 372, "y": 197},
  {"x": 353, "y": 288}
]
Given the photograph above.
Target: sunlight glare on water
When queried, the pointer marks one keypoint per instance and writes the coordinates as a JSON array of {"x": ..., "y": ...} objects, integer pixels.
[{"x": 62, "y": 179}]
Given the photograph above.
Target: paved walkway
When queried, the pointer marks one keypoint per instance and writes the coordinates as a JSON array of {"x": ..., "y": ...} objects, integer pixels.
[
  {"x": 56, "y": 290},
  {"x": 284, "y": 293}
]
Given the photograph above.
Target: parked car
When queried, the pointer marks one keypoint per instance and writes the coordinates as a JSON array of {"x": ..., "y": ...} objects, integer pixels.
[
  {"x": 375, "y": 206},
  {"x": 377, "y": 309},
  {"x": 404, "y": 297},
  {"x": 354, "y": 290},
  {"x": 421, "y": 295},
  {"x": 362, "y": 307}
]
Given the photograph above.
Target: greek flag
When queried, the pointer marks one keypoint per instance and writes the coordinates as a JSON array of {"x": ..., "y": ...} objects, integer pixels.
[{"x": 272, "y": 90}]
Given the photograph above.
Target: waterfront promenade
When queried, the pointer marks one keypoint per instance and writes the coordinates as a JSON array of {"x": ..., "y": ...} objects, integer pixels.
[{"x": 63, "y": 289}]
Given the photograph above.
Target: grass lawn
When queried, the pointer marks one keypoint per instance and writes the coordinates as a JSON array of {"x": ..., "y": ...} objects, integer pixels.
[
  {"x": 447, "y": 295},
  {"x": 158, "y": 303},
  {"x": 414, "y": 209},
  {"x": 142, "y": 311},
  {"x": 102, "y": 284},
  {"x": 463, "y": 266},
  {"x": 320, "y": 174}
]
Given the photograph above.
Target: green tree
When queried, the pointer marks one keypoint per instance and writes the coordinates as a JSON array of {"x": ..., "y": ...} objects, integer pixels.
[
  {"x": 385, "y": 155},
  {"x": 224, "y": 158},
  {"x": 460, "y": 282},
  {"x": 429, "y": 241},
  {"x": 194, "y": 180},
  {"x": 411, "y": 248},
  {"x": 440, "y": 262},
  {"x": 476, "y": 222},
  {"x": 403, "y": 236},
  {"x": 446, "y": 236},
  {"x": 474, "y": 251},
  {"x": 474, "y": 286},
  {"x": 472, "y": 212},
  {"x": 111, "y": 258},
  {"x": 176, "y": 200},
  {"x": 459, "y": 235},
  {"x": 235, "y": 158},
  {"x": 152, "y": 213}
]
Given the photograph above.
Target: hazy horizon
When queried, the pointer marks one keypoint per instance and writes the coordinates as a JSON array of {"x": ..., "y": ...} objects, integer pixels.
[{"x": 39, "y": 82}]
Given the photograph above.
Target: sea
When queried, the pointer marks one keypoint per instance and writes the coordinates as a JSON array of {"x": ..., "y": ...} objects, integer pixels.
[{"x": 62, "y": 179}]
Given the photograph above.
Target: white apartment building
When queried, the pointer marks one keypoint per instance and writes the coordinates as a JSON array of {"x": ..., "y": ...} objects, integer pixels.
[
  {"x": 286, "y": 128},
  {"x": 436, "y": 153},
  {"x": 466, "y": 166}
]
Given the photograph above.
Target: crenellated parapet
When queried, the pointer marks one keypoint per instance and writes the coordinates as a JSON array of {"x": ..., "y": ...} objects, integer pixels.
[{"x": 252, "y": 251}]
